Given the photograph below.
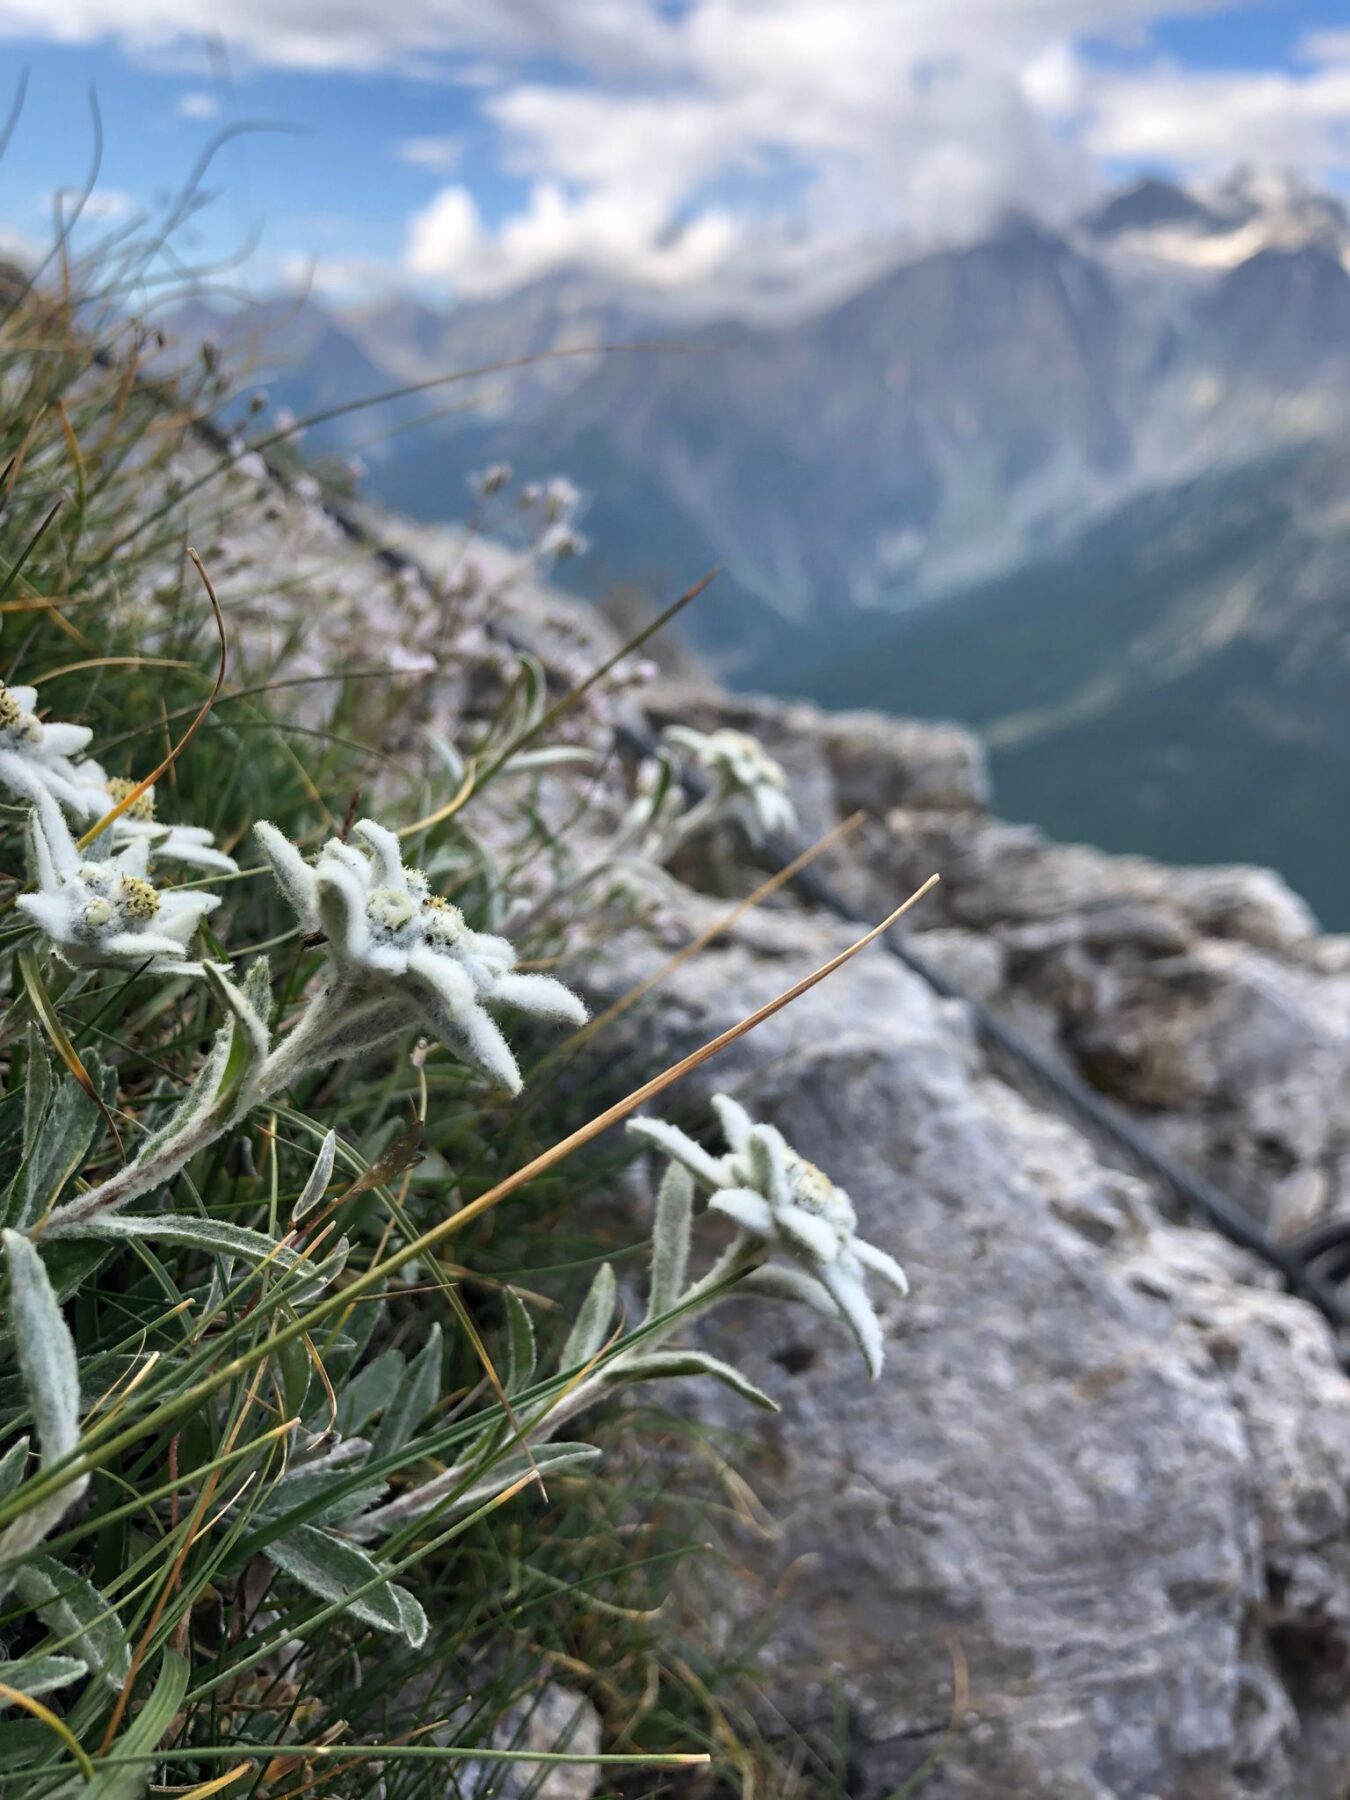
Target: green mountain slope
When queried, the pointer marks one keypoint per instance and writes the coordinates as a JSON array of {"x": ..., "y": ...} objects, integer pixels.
[{"x": 1175, "y": 681}]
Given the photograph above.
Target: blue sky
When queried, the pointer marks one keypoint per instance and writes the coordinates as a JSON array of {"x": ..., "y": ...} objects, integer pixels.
[{"x": 702, "y": 146}]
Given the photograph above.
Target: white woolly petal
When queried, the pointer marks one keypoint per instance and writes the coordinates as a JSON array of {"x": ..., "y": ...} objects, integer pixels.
[
  {"x": 735, "y": 1120},
  {"x": 192, "y": 855},
  {"x": 54, "y": 853},
  {"x": 65, "y": 740},
  {"x": 25, "y": 698},
  {"x": 174, "y": 902},
  {"x": 776, "y": 811},
  {"x": 191, "y": 845},
  {"x": 18, "y": 775},
  {"x": 342, "y": 911},
  {"x": 137, "y": 946},
  {"x": 387, "y": 958},
  {"x": 669, "y": 1138},
  {"x": 497, "y": 952},
  {"x": 881, "y": 1264},
  {"x": 180, "y": 914},
  {"x": 785, "y": 1281},
  {"x": 444, "y": 974},
  {"x": 808, "y": 1232},
  {"x": 384, "y": 850},
  {"x": 686, "y": 738},
  {"x": 751, "y": 1211},
  {"x": 542, "y": 995},
  {"x": 767, "y": 1153},
  {"x": 131, "y": 859},
  {"x": 89, "y": 803},
  {"x": 458, "y": 1021},
  {"x": 49, "y": 911},
  {"x": 483, "y": 975},
  {"x": 293, "y": 874},
  {"x": 850, "y": 1296},
  {"x": 343, "y": 854},
  {"x": 482, "y": 1045},
  {"x": 71, "y": 794}
]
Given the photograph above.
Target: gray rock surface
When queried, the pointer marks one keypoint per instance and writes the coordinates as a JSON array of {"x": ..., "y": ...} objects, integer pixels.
[
  {"x": 1088, "y": 1537},
  {"x": 1202, "y": 1000},
  {"x": 553, "y": 1719}
]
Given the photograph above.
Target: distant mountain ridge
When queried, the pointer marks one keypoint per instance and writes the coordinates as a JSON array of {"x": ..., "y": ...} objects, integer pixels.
[
  {"x": 960, "y": 413},
  {"x": 1087, "y": 488}
]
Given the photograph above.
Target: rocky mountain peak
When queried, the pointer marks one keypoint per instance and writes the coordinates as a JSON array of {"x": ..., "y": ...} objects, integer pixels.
[{"x": 1148, "y": 204}]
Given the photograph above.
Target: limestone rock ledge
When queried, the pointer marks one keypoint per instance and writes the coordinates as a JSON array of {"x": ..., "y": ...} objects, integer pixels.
[
  {"x": 1089, "y": 1537},
  {"x": 1205, "y": 1001}
]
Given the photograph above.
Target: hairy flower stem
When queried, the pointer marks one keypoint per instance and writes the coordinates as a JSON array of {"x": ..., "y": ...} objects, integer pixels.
[
  {"x": 701, "y": 815},
  {"x": 740, "y": 1258},
  {"x": 743, "y": 1256},
  {"x": 302, "y": 1049}
]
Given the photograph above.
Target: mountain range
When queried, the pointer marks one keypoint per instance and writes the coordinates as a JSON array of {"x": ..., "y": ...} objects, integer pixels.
[{"x": 1086, "y": 487}]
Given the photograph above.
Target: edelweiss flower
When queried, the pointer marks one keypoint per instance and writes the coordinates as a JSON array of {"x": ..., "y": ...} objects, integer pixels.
[
  {"x": 102, "y": 911},
  {"x": 35, "y": 757},
  {"x": 554, "y": 500},
  {"x": 784, "y": 1202},
  {"x": 192, "y": 845},
  {"x": 486, "y": 482},
  {"x": 562, "y": 541},
  {"x": 408, "y": 955},
  {"x": 747, "y": 784}
]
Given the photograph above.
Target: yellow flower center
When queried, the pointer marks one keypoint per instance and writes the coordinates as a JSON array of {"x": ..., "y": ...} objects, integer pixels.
[
  {"x": 142, "y": 808},
  {"x": 138, "y": 898},
  {"x": 814, "y": 1192},
  {"x": 389, "y": 909},
  {"x": 442, "y": 920},
  {"x": 101, "y": 877},
  {"x": 24, "y": 727}
]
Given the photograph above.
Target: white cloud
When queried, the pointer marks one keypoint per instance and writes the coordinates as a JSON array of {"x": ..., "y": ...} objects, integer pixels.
[
  {"x": 769, "y": 131},
  {"x": 336, "y": 277},
  {"x": 744, "y": 146},
  {"x": 447, "y": 236},
  {"x": 438, "y": 153},
  {"x": 1205, "y": 122},
  {"x": 1325, "y": 46},
  {"x": 624, "y": 236},
  {"x": 198, "y": 105},
  {"x": 354, "y": 35}
]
